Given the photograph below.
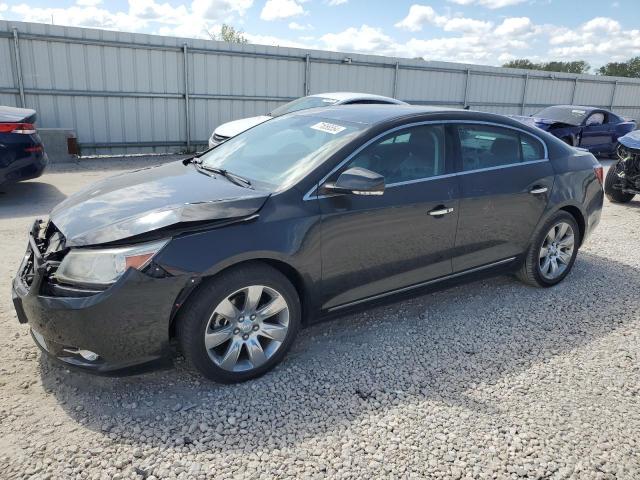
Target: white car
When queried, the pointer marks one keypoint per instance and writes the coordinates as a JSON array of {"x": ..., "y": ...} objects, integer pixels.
[{"x": 231, "y": 129}]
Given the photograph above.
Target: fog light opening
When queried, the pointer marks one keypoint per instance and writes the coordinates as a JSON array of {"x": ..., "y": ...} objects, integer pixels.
[{"x": 86, "y": 354}]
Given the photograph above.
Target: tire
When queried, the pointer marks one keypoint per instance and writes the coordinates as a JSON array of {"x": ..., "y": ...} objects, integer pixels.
[
  {"x": 234, "y": 293},
  {"x": 612, "y": 193},
  {"x": 531, "y": 272}
]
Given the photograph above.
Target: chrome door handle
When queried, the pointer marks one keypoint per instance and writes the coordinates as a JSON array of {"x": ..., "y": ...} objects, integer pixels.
[
  {"x": 440, "y": 211},
  {"x": 538, "y": 190}
]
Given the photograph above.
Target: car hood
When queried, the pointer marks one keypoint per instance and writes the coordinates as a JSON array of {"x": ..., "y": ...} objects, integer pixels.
[
  {"x": 542, "y": 123},
  {"x": 231, "y": 129},
  {"x": 149, "y": 199},
  {"x": 631, "y": 140}
]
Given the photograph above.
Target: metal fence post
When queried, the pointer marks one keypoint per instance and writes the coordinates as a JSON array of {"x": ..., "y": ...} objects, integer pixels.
[
  {"x": 186, "y": 94},
  {"x": 613, "y": 95},
  {"x": 573, "y": 94},
  {"x": 395, "y": 80},
  {"x": 466, "y": 88},
  {"x": 307, "y": 80},
  {"x": 18, "y": 66},
  {"x": 524, "y": 94}
]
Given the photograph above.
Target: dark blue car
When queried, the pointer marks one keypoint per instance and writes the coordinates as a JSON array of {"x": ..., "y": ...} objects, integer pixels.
[
  {"x": 595, "y": 129},
  {"x": 22, "y": 154}
]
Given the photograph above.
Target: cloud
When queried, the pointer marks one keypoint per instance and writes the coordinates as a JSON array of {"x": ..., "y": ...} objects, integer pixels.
[
  {"x": 598, "y": 40},
  {"x": 297, "y": 26},
  {"x": 334, "y": 3},
  {"x": 421, "y": 15},
  {"x": 493, "y": 4},
  {"x": 143, "y": 15},
  {"x": 515, "y": 26},
  {"x": 275, "y": 41},
  {"x": 365, "y": 39},
  {"x": 280, "y": 9},
  {"x": 218, "y": 9},
  {"x": 79, "y": 16},
  {"x": 162, "y": 12}
]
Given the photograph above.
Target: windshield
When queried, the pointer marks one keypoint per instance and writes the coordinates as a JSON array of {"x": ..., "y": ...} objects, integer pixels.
[
  {"x": 283, "y": 150},
  {"x": 303, "y": 104},
  {"x": 570, "y": 116}
]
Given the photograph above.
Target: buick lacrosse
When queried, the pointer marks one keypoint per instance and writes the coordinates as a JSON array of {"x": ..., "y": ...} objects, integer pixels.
[{"x": 309, "y": 214}]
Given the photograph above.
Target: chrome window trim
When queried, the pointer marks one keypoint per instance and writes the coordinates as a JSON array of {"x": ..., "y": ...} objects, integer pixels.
[{"x": 309, "y": 195}]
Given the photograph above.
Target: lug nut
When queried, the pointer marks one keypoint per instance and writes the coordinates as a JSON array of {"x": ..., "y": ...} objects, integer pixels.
[
  {"x": 241, "y": 319},
  {"x": 255, "y": 327},
  {"x": 236, "y": 331},
  {"x": 245, "y": 337},
  {"x": 253, "y": 317}
]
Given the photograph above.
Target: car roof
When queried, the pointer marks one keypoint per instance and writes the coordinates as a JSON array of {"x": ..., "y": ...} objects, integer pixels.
[
  {"x": 344, "y": 96},
  {"x": 375, "y": 114}
]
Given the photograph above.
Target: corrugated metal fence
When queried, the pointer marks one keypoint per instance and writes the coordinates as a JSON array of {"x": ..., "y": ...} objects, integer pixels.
[{"x": 133, "y": 93}]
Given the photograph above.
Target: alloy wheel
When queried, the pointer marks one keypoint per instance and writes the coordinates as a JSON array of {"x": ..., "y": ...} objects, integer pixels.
[
  {"x": 556, "y": 251},
  {"x": 247, "y": 328}
]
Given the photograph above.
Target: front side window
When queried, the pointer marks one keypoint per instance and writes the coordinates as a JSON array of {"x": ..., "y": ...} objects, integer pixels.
[
  {"x": 596, "y": 119},
  {"x": 409, "y": 154},
  {"x": 283, "y": 150},
  {"x": 484, "y": 146}
]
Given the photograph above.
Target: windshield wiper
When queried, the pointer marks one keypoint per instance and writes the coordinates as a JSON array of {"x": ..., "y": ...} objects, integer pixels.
[{"x": 233, "y": 177}]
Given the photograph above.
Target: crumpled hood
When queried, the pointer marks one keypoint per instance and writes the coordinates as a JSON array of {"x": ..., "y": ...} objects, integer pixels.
[
  {"x": 231, "y": 129},
  {"x": 149, "y": 199},
  {"x": 631, "y": 140},
  {"x": 541, "y": 123}
]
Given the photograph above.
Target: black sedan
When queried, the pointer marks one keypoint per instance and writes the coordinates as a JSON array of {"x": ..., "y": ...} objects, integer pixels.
[
  {"x": 22, "y": 154},
  {"x": 306, "y": 215}
]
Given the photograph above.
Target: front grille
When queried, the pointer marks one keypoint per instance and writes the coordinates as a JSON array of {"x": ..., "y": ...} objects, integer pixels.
[{"x": 44, "y": 253}]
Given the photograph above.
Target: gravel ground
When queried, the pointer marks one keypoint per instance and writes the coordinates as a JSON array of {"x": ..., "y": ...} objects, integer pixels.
[{"x": 487, "y": 380}]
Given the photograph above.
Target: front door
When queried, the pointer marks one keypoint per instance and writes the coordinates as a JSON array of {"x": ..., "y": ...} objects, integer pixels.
[
  {"x": 596, "y": 134},
  {"x": 372, "y": 245},
  {"x": 505, "y": 182}
]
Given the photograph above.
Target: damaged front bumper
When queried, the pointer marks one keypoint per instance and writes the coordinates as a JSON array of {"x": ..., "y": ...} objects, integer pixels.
[{"x": 121, "y": 327}]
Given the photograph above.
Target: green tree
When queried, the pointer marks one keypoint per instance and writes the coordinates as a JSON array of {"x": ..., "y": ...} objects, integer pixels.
[
  {"x": 522, "y": 63},
  {"x": 229, "y": 34},
  {"x": 630, "y": 68},
  {"x": 576, "y": 66}
]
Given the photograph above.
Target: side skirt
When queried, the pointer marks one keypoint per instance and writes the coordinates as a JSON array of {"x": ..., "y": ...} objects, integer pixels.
[{"x": 421, "y": 285}]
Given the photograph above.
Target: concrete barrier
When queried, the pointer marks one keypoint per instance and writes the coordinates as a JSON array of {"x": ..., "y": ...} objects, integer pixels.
[{"x": 59, "y": 143}]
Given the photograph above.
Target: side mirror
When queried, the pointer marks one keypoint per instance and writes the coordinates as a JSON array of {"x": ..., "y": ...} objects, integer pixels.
[{"x": 357, "y": 181}]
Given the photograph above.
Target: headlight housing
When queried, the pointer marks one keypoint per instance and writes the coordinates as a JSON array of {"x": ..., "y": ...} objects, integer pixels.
[{"x": 102, "y": 267}]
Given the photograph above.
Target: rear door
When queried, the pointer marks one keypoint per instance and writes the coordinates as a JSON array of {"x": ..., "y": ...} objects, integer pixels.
[
  {"x": 505, "y": 181},
  {"x": 373, "y": 245}
]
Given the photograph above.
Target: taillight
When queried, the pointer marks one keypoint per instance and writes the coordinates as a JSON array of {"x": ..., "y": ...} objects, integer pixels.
[
  {"x": 599, "y": 173},
  {"x": 22, "y": 128}
]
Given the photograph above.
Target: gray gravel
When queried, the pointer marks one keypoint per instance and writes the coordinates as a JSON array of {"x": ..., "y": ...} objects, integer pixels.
[{"x": 487, "y": 380}]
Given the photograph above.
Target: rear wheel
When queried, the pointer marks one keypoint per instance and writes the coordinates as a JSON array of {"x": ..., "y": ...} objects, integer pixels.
[
  {"x": 552, "y": 253},
  {"x": 613, "y": 180},
  {"x": 240, "y": 324}
]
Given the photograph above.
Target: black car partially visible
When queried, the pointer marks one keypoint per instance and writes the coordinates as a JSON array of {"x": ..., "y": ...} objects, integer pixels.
[{"x": 22, "y": 154}]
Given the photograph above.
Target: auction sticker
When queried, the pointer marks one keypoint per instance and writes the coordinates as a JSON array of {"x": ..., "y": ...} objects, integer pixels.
[{"x": 328, "y": 127}]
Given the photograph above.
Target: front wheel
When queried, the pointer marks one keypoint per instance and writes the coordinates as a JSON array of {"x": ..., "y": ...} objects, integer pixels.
[
  {"x": 240, "y": 324},
  {"x": 552, "y": 253},
  {"x": 612, "y": 181}
]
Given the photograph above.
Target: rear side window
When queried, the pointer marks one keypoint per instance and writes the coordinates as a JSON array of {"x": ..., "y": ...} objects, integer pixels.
[
  {"x": 484, "y": 146},
  {"x": 409, "y": 154}
]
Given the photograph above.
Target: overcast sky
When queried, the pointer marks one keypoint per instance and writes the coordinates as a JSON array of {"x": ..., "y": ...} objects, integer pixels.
[{"x": 487, "y": 32}]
